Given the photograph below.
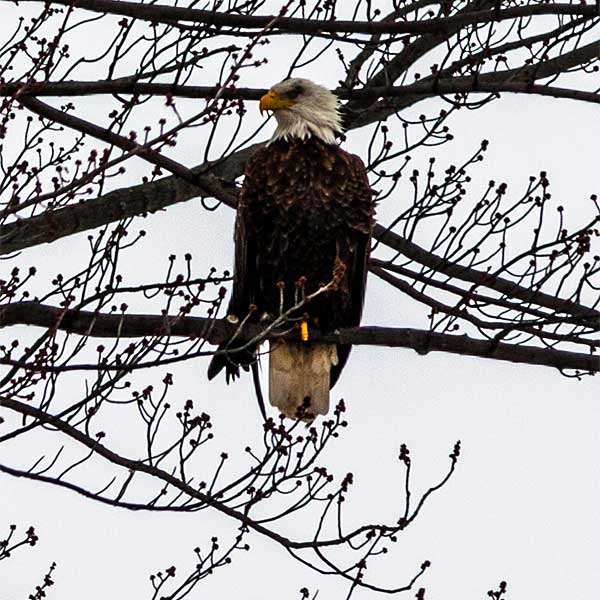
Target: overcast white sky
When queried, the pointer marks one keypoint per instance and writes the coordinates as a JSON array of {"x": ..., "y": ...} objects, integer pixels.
[{"x": 523, "y": 504}]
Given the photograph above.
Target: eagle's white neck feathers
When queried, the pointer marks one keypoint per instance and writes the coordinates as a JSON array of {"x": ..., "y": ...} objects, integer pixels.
[{"x": 314, "y": 113}]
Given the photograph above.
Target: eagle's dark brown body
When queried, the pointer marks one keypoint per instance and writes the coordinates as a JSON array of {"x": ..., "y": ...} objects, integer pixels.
[{"x": 305, "y": 207}]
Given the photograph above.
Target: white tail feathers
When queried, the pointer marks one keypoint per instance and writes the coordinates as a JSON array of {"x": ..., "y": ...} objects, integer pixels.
[{"x": 299, "y": 378}]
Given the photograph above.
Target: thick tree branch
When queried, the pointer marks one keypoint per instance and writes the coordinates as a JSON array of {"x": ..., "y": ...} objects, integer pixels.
[
  {"x": 139, "y": 200},
  {"x": 109, "y": 208},
  {"x": 168, "y": 14},
  {"x": 392, "y": 70},
  {"x": 154, "y": 196},
  {"x": 217, "y": 331},
  {"x": 485, "y": 83}
]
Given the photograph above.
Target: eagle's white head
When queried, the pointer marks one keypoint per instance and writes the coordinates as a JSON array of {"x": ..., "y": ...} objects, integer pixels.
[{"x": 303, "y": 108}]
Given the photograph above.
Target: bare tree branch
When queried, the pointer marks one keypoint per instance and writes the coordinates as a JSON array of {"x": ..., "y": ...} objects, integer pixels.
[
  {"x": 168, "y": 14},
  {"x": 418, "y": 91},
  {"x": 216, "y": 331},
  {"x": 501, "y": 263}
]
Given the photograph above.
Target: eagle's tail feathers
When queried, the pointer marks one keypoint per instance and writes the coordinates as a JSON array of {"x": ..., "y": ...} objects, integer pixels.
[{"x": 299, "y": 378}]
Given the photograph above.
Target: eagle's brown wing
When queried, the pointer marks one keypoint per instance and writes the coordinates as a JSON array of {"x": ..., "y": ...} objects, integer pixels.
[
  {"x": 358, "y": 197},
  {"x": 245, "y": 277}
]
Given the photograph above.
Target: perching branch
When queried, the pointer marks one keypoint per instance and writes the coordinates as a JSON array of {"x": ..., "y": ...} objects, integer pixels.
[{"x": 216, "y": 331}]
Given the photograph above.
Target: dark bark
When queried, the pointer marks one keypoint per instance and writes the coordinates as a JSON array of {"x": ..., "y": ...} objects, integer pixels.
[
  {"x": 168, "y": 14},
  {"x": 420, "y": 90},
  {"x": 217, "y": 331}
]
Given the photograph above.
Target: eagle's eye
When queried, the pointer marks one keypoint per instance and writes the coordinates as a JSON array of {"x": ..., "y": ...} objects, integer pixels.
[{"x": 295, "y": 92}]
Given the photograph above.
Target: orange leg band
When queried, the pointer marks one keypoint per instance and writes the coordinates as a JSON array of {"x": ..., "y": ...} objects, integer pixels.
[{"x": 304, "y": 331}]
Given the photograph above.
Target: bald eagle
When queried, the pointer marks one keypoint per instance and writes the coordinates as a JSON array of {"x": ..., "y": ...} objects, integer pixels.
[{"x": 302, "y": 237}]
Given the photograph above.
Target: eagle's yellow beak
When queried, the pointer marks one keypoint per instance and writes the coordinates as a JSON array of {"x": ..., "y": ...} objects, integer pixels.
[{"x": 272, "y": 101}]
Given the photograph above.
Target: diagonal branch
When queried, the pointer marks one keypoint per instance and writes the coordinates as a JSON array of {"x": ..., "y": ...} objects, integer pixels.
[
  {"x": 205, "y": 184},
  {"x": 519, "y": 80},
  {"x": 535, "y": 329},
  {"x": 481, "y": 278},
  {"x": 409, "y": 55},
  {"x": 138, "y": 466}
]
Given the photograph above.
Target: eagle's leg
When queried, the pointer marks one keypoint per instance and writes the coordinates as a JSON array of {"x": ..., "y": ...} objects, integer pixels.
[
  {"x": 281, "y": 287},
  {"x": 299, "y": 299}
]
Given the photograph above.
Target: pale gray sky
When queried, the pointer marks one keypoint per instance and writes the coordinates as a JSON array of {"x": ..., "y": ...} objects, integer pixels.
[{"x": 523, "y": 504}]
